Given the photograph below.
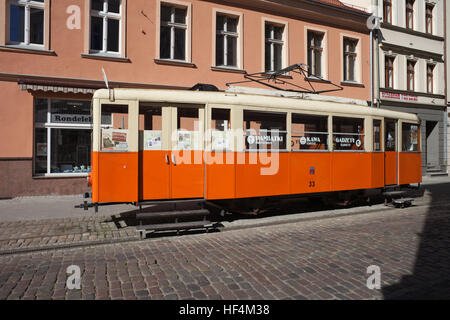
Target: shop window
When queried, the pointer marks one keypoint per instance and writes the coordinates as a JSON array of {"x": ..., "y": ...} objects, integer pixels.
[
  {"x": 221, "y": 136},
  {"x": 309, "y": 132},
  {"x": 105, "y": 26},
  {"x": 265, "y": 130},
  {"x": 226, "y": 40},
  {"x": 114, "y": 128},
  {"x": 274, "y": 43},
  {"x": 189, "y": 129},
  {"x": 26, "y": 22},
  {"x": 348, "y": 134},
  {"x": 150, "y": 128},
  {"x": 376, "y": 135},
  {"x": 390, "y": 137},
  {"x": 63, "y": 131},
  {"x": 173, "y": 32},
  {"x": 410, "y": 137}
]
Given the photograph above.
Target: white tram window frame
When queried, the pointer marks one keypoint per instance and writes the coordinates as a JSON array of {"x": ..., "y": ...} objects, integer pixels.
[
  {"x": 326, "y": 117},
  {"x": 402, "y": 124},
  {"x": 364, "y": 142},
  {"x": 284, "y": 132},
  {"x": 49, "y": 126}
]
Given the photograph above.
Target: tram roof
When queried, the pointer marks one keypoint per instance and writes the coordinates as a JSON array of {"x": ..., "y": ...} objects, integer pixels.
[{"x": 304, "y": 103}]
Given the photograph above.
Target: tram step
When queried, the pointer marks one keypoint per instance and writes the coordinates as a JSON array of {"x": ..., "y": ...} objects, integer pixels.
[
  {"x": 391, "y": 194},
  {"x": 175, "y": 226},
  {"x": 172, "y": 214}
]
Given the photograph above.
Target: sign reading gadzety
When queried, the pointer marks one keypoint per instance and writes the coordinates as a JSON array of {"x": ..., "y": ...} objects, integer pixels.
[{"x": 71, "y": 118}]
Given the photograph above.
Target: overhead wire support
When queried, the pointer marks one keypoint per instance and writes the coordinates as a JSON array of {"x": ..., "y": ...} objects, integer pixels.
[{"x": 276, "y": 78}]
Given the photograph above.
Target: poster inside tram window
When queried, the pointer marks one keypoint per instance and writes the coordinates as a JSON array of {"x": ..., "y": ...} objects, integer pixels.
[
  {"x": 220, "y": 141},
  {"x": 114, "y": 139},
  {"x": 152, "y": 140}
]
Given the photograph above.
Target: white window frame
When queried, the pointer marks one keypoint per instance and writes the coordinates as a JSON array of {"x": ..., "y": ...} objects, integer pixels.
[
  {"x": 27, "y": 4},
  {"x": 105, "y": 15},
  {"x": 227, "y": 34},
  {"x": 173, "y": 25},
  {"x": 358, "y": 64},
  {"x": 324, "y": 59},
  {"x": 284, "y": 43},
  {"x": 48, "y": 125}
]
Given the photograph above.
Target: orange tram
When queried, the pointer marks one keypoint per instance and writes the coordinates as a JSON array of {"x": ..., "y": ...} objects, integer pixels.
[{"x": 231, "y": 148}]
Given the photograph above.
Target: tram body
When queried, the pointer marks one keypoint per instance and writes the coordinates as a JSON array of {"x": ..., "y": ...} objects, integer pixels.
[{"x": 170, "y": 144}]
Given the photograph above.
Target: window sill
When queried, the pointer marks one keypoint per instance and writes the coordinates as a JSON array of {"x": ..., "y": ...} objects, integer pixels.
[
  {"x": 314, "y": 79},
  {"x": 104, "y": 57},
  {"x": 177, "y": 63},
  {"x": 227, "y": 69},
  {"x": 27, "y": 49},
  {"x": 61, "y": 176},
  {"x": 352, "y": 84}
]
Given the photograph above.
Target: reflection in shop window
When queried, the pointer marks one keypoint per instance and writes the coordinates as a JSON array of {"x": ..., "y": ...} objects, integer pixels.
[
  {"x": 410, "y": 137},
  {"x": 390, "y": 137},
  {"x": 70, "y": 151},
  {"x": 40, "y": 151},
  {"x": 265, "y": 130},
  {"x": 348, "y": 134},
  {"x": 309, "y": 132}
]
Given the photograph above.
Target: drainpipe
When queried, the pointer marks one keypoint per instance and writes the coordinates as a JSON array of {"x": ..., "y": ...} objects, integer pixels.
[{"x": 371, "y": 67}]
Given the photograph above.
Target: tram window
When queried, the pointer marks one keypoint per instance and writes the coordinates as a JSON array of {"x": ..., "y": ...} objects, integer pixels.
[
  {"x": 114, "y": 128},
  {"x": 410, "y": 137},
  {"x": 309, "y": 132},
  {"x": 220, "y": 129},
  {"x": 265, "y": 130},
  {"x": 188, "y": 137},
  {"x": 390, "y": 138},
  {"x": 150, "y": 128},
  {"x": 348, "y": 134},
  {"x": 376, "y": 135}
]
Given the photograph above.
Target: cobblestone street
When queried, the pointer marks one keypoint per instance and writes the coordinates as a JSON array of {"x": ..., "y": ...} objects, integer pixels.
[{"x": 315, "y": 259}]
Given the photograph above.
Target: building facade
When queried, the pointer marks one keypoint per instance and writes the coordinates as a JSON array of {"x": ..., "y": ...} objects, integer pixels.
[
  {"x": 409, "y": 72},
  {"x": 52, "y": 54}
]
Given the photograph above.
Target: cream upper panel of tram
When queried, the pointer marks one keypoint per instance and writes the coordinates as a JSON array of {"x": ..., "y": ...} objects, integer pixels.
[{"x": 223, "y": 98}]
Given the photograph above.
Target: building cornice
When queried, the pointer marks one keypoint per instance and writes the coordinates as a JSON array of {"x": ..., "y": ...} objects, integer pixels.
[
  {"x": 408, "y": 51},
  {"x": 411, "y": 32}
]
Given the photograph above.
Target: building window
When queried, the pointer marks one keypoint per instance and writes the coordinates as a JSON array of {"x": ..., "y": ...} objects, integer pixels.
[
  {"x": 410, "y": 137},
  {"x": 389, "y": 72},
  {"x": 387, "y": 11},
  {"x": 350, "y": 58},
  {"x": 315, "y": 51},
  {"x": 429, "y": 18},
  {"x": 227, "y": 40},
  {"x": 309, "y": 132},
  {"x": 430, "y": 78},
  {"x": 62, "y": 137},
  {"x": 173, "y": 31},
  {"x": 265, "y": 130},
  {"x": 106, "y": 26},
  {"x": 26, "y": 22},
  {"x": 274, "y": 35},
  {"x": 410, "y": 14},
  {"x": 348, "y": 134},
  {"x": 410, "y": 75}
]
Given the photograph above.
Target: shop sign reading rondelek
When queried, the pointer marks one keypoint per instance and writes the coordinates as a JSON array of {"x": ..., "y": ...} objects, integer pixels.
[{"x": 71, "y": 118}]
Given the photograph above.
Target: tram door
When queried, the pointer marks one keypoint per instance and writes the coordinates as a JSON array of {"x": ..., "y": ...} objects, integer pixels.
[
  {"x": 187, "y": 166},
  {"x": 391, "y": 152}
]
